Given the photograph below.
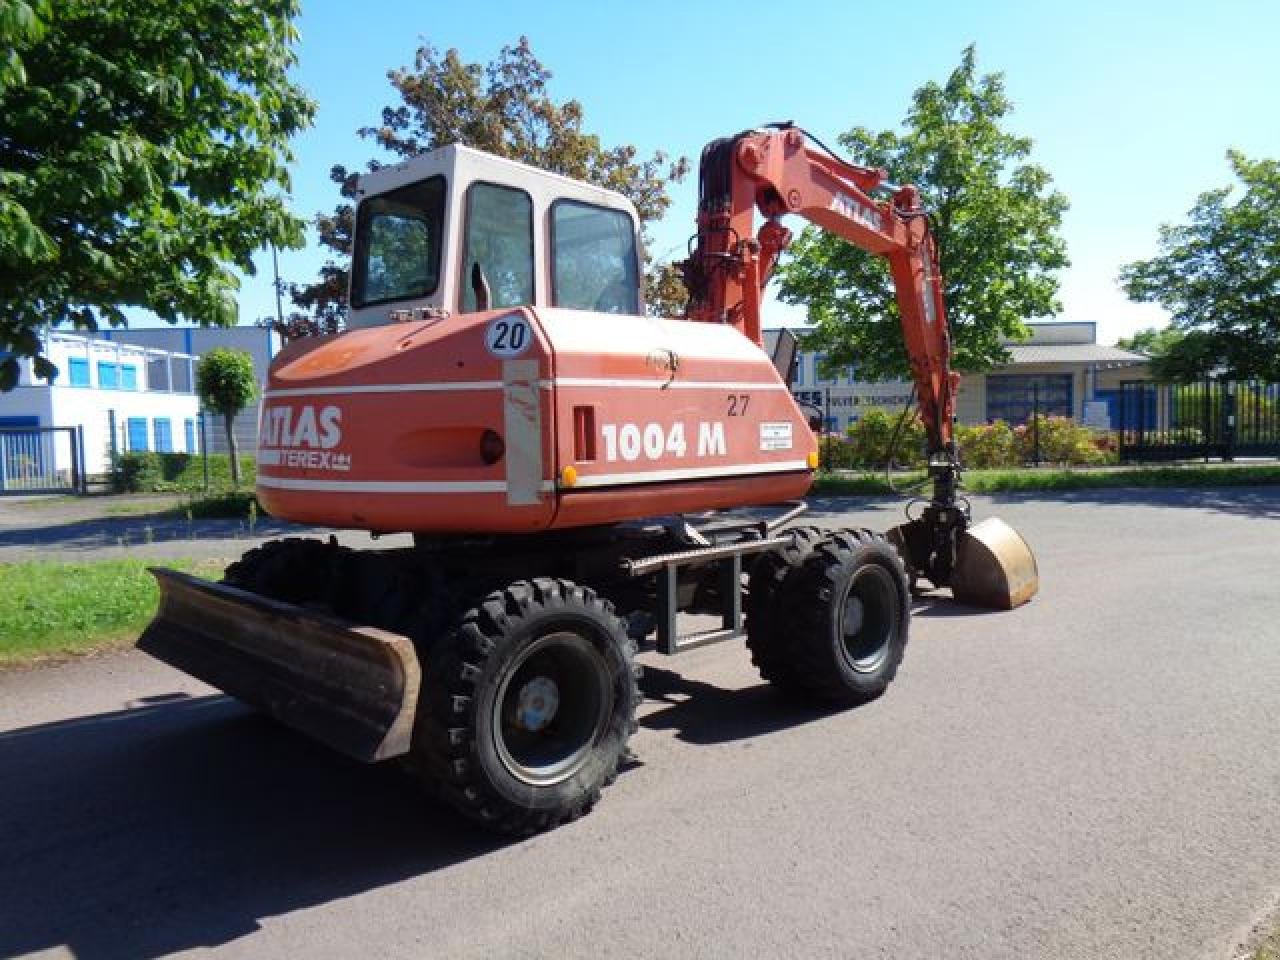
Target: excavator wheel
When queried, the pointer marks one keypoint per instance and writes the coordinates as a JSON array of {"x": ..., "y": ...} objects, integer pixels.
[
  {"x": 768, "y": 634},
  {"x": 527, "y": 706},
  {"x": 847, "y": 609},
  {"x": 292, "y": 570}
]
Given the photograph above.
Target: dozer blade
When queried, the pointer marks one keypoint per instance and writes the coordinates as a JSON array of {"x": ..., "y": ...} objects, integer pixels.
[
  {"x": 994, "y": 567},
  {"x": 352, "y": 687}
]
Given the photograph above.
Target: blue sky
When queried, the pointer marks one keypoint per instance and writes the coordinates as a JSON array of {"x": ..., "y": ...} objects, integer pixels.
[{"x": 1131, "y": 105}]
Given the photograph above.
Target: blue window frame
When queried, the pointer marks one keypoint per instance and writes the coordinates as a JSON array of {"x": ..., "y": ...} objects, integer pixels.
[
  {"x": 128, "y": 377},
  {"x": 1012, "y": 397},
  {"x": 108, "y": 375},
  {"x": 78, "y": 371},
  {"x": 137, "y": 427},
  {"x": 189, "y": 434},
  {"x": 162, "y": 430}
]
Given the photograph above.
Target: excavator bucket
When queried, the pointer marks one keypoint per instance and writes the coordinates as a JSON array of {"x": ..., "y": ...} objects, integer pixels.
[
  {"x": 354, "y": 688},
  {"x": 994, "y": 567}
]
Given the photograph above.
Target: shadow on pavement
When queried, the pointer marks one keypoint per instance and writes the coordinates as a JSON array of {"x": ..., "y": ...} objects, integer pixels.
[
  {"x": 133, "y": 530},
  {"x": 1247, "y": 501},
  {"x": 705, "y": 714},
  {"x": 1260, "y": 501},
  {"x": 184, "y": 823}
]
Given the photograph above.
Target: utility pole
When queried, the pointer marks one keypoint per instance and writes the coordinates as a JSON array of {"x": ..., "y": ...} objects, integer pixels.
[{"x": 275, "y": 272}]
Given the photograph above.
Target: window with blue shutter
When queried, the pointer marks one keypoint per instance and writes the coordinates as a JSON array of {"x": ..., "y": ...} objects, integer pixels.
[
  {"x": 163, "y": 431},
  {"x": 78, "y": 371},
  {"x": 109, "y": 376},
  {"x": 189, "y": 430},
  {"x": 137, "y": 433},
  {"x": 128, "y": 377}
]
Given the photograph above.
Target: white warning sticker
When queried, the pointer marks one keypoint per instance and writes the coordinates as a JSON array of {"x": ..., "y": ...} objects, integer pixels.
[{"x": 775, "y": 436}]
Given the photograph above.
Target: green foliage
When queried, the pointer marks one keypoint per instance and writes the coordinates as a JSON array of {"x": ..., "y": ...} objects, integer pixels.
[
  {"x": 226, "y": 381},
  {"x": 53, "y": 609},
  {"x": 1155, "y": 343},
  {"x": 504, "y": 108},
  {"x": 143, "y": 148},
  {"x": 1218, "y": 275},
  {"x": 988, "y": 445},
  {"x": 1060, "y": 440},
  {"x": 144, "y": 472},
  {"x": 868, "y": 442},
  {"x": 994, "y": 215}
]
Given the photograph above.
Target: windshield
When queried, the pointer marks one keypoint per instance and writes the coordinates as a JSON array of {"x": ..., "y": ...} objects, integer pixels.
[{"x": 397, "y": 244}]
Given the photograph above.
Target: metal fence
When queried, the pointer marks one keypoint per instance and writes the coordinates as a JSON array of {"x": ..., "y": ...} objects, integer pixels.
[
  {"x": 41, "y": 460},
  {"x": 1211, "y": 418}
]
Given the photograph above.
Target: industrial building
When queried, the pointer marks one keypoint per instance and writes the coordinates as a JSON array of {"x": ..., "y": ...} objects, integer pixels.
[{"x": 1062, "y": 370}]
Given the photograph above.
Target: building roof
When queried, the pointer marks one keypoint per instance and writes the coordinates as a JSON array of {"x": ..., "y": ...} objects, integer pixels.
[{"x": 1074, "y": 353}]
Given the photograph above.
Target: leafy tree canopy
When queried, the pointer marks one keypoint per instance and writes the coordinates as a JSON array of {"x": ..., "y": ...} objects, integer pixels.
[
  {"x": 994, "y": 215},
  {"x": 1218, "y": 275},
  {"x": 504, "y": 108},
  {"x": 1156, "y": 343},
  {"x": 227, "y": 383},
  {"x": 142, "y": 145}
]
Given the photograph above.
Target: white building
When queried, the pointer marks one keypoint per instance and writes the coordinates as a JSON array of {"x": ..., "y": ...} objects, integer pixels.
[
  {"x": 261, "y": 343},
  {"x": 146, "y": 395}
]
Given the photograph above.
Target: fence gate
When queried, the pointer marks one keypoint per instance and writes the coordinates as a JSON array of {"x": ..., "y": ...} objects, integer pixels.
[
  {"x": 41, "y": 460},
  {"x": 1206, "y": 418}
]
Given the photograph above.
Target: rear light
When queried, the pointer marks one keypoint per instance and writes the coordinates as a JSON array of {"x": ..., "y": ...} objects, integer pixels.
[{"x": 492, "y": 447}]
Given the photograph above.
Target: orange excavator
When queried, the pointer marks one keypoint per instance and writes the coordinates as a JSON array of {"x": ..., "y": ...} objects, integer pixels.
[{"x": 580, "y": 480}]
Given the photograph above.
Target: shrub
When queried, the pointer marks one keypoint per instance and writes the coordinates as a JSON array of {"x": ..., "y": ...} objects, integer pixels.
[
  {"x": 988, "y": 445},
  {"x": 1061, "y": 440},
  {"x": 869, "y": 439},
  {"x": 148, "y": 472}
]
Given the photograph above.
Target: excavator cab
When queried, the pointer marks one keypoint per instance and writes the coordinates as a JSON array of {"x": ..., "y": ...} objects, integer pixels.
[{"x": 457, "y": 230}]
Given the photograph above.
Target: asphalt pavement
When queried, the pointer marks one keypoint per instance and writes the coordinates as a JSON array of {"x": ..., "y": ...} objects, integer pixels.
[{"x": 1095, "y": 775}]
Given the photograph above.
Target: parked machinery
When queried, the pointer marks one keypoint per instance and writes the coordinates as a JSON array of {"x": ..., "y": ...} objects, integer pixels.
[{"x": 575, "y": 474}]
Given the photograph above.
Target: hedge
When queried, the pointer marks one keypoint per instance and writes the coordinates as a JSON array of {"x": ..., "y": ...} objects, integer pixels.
[
  {"x": 866, "y": 443},
  {"x": 176, "y": 472}
]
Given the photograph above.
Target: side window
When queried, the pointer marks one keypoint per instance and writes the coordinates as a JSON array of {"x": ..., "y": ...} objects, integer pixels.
[
  {"x": 397, "y": 244},
  {"x": 500, "y": 239},
  {"x": 594, "y": 263}
]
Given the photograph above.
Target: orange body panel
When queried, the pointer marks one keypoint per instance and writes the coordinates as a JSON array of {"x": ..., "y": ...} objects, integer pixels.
[{"x": 603, "y": 418}]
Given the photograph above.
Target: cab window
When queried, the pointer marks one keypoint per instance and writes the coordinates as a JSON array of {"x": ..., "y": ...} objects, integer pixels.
[
  {"x": 397, "y": 244},
  {"x": 594, "y": 264},
  {"x": 500, "y": 239}
]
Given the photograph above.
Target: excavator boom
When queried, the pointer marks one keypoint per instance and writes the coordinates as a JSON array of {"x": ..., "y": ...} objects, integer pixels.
[{"x": 774, "y": 172}]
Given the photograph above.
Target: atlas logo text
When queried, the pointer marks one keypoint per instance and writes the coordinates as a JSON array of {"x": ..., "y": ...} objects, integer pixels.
[{"x": 302, "y": 427}]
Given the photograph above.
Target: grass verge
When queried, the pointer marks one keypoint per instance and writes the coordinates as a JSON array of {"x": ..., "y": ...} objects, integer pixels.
[
  {"x": 53, "y": 610},
  {"x": 1046, "y": 478}
]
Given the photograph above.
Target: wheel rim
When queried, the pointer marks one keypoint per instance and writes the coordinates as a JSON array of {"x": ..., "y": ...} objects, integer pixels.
[
  {"x": 868, "y": 618},
  {"x": 551, "y": 708}
]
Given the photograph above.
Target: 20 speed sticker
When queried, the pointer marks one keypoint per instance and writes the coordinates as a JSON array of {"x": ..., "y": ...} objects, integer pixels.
[{"x": 508, "y": 336}]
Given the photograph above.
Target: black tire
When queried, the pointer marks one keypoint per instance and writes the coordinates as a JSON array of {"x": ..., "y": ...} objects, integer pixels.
[
  {"x": 848, "y": 609},
  {"x": 293, "y": 569},
  {"x": 527, "y": 706},
  {"x": 768, "y": 633}
]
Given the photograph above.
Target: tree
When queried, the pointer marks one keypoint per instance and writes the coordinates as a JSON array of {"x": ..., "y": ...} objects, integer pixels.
[
  {"x": 1156, "y": 343},
  {"x": 1219, "y": 277},
  {"x": 141, "y": 148},
  {"x": 994, "y": 216},
  {"x": 227, "y": 383},
  {"x": 502, "y": 107}
]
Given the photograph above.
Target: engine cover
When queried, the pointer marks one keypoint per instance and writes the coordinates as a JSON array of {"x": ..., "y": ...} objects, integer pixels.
[{"x": 526, "y": 419}]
